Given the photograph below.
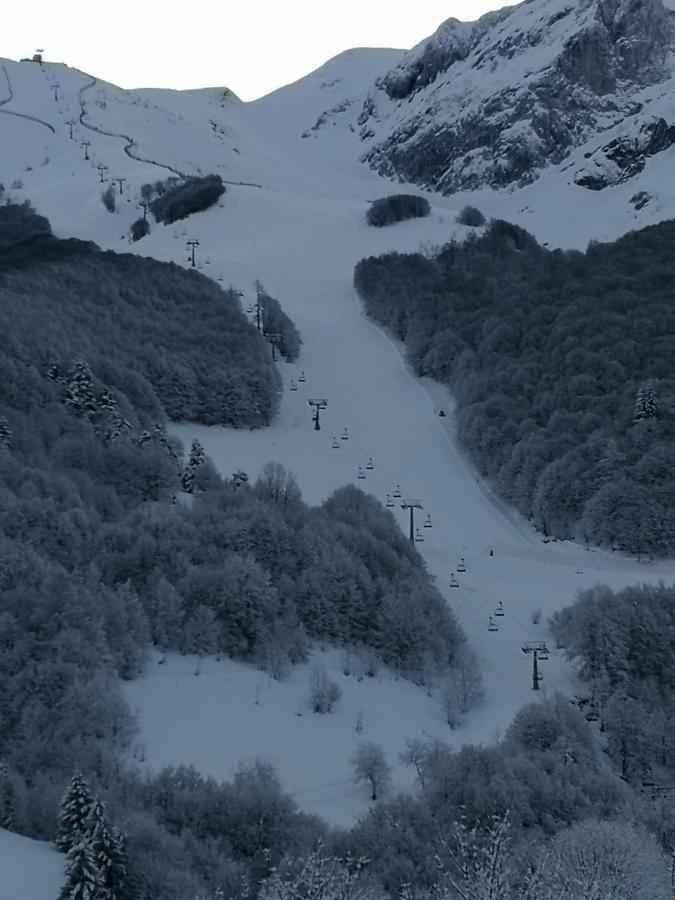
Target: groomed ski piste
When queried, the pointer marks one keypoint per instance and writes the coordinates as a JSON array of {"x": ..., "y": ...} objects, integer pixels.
[{"x": 293, "y": 217}]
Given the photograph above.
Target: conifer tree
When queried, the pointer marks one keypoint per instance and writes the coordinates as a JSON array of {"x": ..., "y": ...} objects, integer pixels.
[
  {"x": 646, "y": 402},
  {"x": 76, "y": 807},
  {"x": 5, "y": 434},
  {"x": 80, "y": 392},
  {"x": 108, "y": 847},
  {"x": 7, "y": 800},
  {"x": 196, "y": 459},
  {"x": 81, "y": 872}
]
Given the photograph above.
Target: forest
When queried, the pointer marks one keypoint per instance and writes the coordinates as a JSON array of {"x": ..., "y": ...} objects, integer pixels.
[
  {"x": 113, "y": 542},
  {"x": 559, "y": 362},
  {"x": 166, "y": 337}
]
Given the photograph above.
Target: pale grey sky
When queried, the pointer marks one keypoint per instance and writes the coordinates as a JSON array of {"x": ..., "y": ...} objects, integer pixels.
[{"x": 250, "y": 46}]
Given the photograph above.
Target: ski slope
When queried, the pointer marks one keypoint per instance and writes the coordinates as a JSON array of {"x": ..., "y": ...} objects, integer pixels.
[
  {"x": 301, "y": 231},
  {"x": 30, "y": 870}
]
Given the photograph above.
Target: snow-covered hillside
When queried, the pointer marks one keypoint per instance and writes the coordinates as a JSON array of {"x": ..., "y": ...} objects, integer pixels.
[
  {"x": 30, "y": 870},
  {"x": 293, "y": 217}
]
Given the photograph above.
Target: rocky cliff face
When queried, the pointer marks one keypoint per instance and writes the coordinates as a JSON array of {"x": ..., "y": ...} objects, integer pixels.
[{"x": 493, "y": 102}]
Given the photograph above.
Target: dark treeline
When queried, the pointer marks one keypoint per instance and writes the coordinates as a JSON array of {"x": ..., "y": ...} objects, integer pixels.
[
  {"x": 560, "y": 364},
  {"x": 396, "y": 208},
  {"x": 99, "y": 563},
  {"x": 624, "y": 643},
  {"x": 276, "y": 322},
  {"x": 152, "y": 331},
  {"x": 178, "y": 201}
]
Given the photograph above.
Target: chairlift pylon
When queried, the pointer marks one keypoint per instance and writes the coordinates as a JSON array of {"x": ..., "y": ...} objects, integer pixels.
[
  {"x": 397, "y": 493},
  {"x": 453, "y": 581},
  {"x": 427, "y": 521},
  {"x": 370, "y": 464},
  {"x": 418, "y": 536},
  {"x": 461, "y": 567},
  {"x": 390, "y": 503},
  {"x": 492, "y": 625},
  {"x": 500, "y": 610}
]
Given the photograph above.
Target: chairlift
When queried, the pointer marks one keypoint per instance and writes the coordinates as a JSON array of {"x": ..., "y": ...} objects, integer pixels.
[
  {"x": 418, "y": 536},
  {"x": 345, "y": 435},
  {"x": 592, "y": 715},
  {"x": 302, "y": 378},
  {"x": 500, "y": 609},
  {"x": 543, "y": 653},
  {"x": 461, "y": 567},
  {"x": 397, "y": 493},
  {"x": 492, "y": 625},
  {"x": 361, "y": 474},
  {"x": 370, "y": 464},
  {"x": 221, "y": 278},
  {"x": 207, "y": 260},
  {"x": 294, "y": 386},
  {"x": 427, "y": 521},
  {"x": 336, "y": 443},
  {"x": 390, "y": 503},
  {"x": 453, "y": 581}
]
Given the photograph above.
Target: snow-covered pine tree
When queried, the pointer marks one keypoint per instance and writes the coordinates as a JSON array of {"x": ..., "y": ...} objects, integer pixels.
[
  {"x": 196, "y": 459},
  {"x": 5, "y": 434},
  {"x": 55, "y": 373},
  {"x": 646, "y": 402},
  {"x": 106, "y": 402},
  {"x": 80, "y": 391},
  {"x": 76, "y": 806},
  {"x": 81, "y": 872},
  {"x": 7, "y": 800},
  {"x": 109, "y": 849}
]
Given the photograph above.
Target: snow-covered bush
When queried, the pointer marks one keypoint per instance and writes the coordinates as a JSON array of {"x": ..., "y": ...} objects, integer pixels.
[
  {"x": 192, "y": 195},
  {"x": 323, "y": 691},
  {"x": 471, "y": 216},
  {"x": 396, "y": 208},
  {"x": 108, "y": 198}
]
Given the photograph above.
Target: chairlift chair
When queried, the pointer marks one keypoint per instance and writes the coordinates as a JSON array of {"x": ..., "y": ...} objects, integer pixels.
[
  {"x": 418, "y": 536},
  {"x": 370, "y": 464},
  {"x": 592, "y": 715},
  {"x": 500, "y": 609},
  {"x": 397, "y": 493},
  {"x": 427, "y": 521},
  {"x": 302, "y": 377},
  {"x": 453, "y": 581},
  {"x": 336, "y": 443},
  {"x": 361, "y": 474},
  {"x": 390, "y": 503},
  {"x": 294, "y": 386},
  {"x": 461, "y": 567},
  {"x": 345, "y": 435},
  {"x": 492, "y": 625},
  {"x": 543, "y": 654}
]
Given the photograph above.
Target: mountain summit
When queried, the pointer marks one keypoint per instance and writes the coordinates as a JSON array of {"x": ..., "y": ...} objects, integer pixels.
[{"x": 490, "y": 103}]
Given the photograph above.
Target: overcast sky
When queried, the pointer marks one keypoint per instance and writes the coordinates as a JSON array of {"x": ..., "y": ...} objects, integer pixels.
[{"x": 250, "y": 46}]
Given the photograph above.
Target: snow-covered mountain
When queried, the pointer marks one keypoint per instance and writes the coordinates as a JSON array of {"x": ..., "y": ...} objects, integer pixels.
[
  {"x": 493, "y": 102},
  {"x": 293, "y": 216}
]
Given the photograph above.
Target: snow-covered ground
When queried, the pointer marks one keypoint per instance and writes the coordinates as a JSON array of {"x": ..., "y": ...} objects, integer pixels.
[
  {"x": 29, "y": 870},
  {"x": 301, "y": 233}
]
